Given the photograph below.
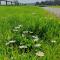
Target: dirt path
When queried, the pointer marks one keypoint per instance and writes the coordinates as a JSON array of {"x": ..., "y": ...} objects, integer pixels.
[{"x": 55, "y": 11}]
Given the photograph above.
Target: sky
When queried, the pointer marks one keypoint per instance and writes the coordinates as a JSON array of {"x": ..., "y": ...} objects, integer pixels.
[
  {"x": 22, "y": 1},
  {"x": 30, "y": 1}
]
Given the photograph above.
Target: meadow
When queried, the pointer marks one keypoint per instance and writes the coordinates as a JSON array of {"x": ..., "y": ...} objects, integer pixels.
[{"x": 28, "y": 26}]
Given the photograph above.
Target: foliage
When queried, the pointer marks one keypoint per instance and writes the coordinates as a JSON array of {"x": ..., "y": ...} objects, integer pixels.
[{"x": 32, "y": 18}]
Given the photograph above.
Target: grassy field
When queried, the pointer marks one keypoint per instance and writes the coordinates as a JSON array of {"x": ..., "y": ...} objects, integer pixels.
[{"x": 37, "y": 22}]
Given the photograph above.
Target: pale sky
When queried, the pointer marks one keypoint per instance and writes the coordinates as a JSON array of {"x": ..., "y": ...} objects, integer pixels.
[
  {"x": 22, "y": 1},
  {"x": 30, "y": 1}
]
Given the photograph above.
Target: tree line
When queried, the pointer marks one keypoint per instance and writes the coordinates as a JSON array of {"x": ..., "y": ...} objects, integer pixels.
[{"x": 55, "y": 2}]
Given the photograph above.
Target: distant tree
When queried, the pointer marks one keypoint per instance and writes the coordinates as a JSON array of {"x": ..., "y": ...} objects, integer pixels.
[
  {"x": 47, "y": 2},
  {"x": 16, "y": 2},
  {"x": 37, "y": 3},
  {"x": 43, "y": 3},
  {"x": 57, "y": 2}
]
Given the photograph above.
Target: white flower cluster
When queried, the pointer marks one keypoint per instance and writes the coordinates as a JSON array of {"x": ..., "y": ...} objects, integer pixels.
[
  {"x": 35, "y": 38},
  {"x": 17, "y": 27},
  {"x": 22, "y": 47},
  {"x": 53, "y": 41},
  {"x": 37, "y": 45},
  {"x": 26, "y": 32},
  {"x": 10, "y": 42},
  {"x": 40, "y": 54}
]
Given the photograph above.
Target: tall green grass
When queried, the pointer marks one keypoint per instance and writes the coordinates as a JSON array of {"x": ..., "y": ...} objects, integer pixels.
[{"x": 34, "y": 19}]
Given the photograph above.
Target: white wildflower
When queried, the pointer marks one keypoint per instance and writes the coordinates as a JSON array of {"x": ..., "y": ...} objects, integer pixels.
[
  {"x": 7, "y": 43},
  {"x": 20, "y": 26},
  {"x": 35, "y": 37},
  {"x": 53, "y": 41},
  {"x": 37, "y": 45},
  {"x": 25, "y": 32},
  {"x": 10, "y": 42},
  {"x": 17, "y": 27},
  {"x": 21, "y": 47},
  {"x": 40, "y": 54},
  {"x": 30, "y": 32}
]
